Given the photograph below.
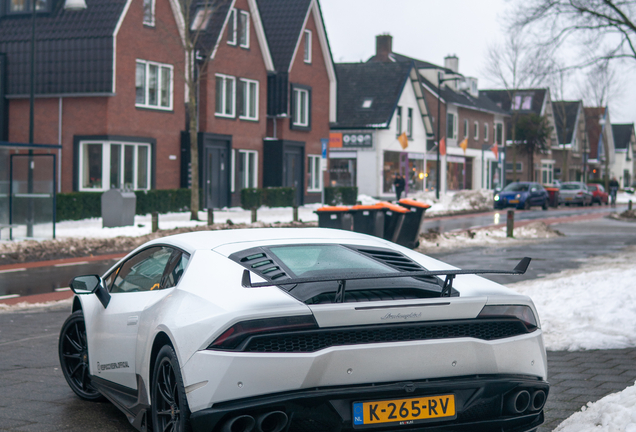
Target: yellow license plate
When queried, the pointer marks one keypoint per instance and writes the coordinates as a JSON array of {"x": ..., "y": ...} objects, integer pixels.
[
  {"x": 404, "y": 411},
  {"x": 569, "y": 199},
  {"x": 514, "y": 201}
]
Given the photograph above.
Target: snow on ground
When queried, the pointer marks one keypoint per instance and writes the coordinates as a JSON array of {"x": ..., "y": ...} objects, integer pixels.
[
  {"x": 456, "y": 201},
  {"x": 613, "y": 413},
  {"x": 592, "y": 307}
]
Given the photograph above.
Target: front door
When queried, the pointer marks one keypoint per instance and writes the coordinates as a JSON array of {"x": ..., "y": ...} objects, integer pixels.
[
  {"x": 216, "y": 173},
  {"x": 293, "y": 172}
]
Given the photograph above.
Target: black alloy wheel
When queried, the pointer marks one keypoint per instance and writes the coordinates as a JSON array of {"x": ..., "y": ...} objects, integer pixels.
[
  {"x": 170, "y": 412},
  {"x": 73, "y": 352}
]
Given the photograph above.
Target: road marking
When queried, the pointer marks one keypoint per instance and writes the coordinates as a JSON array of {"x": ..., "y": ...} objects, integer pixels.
[
  {"x": 30, "y": 338},
  {"x": 62, "y": 289},
  {"x": 9, "y": 296},
  {"x": 12, "y": 270},
  {"x": 71, "y": 264}
]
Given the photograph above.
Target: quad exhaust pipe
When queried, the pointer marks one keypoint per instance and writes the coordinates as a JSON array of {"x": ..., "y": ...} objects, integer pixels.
[
  {"x": 274, "y": 421},
  {"x": 518, "y": 402},
  {"x": 538, "y": 400}
]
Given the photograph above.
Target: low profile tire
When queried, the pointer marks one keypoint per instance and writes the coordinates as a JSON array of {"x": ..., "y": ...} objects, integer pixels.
[
  {"x": 170, "y": 410},
  {"x": 74, "y": 361},
  {"x": 545, "y": 205}
]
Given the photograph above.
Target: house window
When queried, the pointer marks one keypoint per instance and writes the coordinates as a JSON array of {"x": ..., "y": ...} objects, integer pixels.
[
  {"x": 485, "y": 131},
  {"x": 300, "y": 107},
  {"x": 120, "y": 165},
  {"x": 225, "y": 91},
  {"x": 149, "y": 12},
  {"x": 244, "y": 29},
  {"x": 499, "y": 133},
  {"x": 398, "y": 121},
  {"x": 409, "y": 123},
  {"x": 314, "y": 172},
  {"x": 248, "y": 109},
  {"x": 201, "y": 19},
  {"x": 476, "y": 131},
  {"x": 523, "y": 102},
  {"x": 367, "y": 102},
  {"x": 307, "y": 57},
  {"x": 465, "y": 128},
  {"x": 153, "y": 85},
  {"x": 26, "y": 6},
  {"x": 451, "y": 126},
  {"x": 231, "y": 28},
  {"x": 247, "y": 169},
  {"x": 509, "y": 167}
]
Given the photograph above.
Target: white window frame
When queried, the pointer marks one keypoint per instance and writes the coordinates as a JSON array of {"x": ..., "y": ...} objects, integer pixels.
[
  {"x": 246, "y": 154},
  {"x": 485, "y": 132},
  {"x": 160, "y": 68},
  {"x": 297, "y": 121},
  {"x": 222, "y": 111},
  {"x": 313, "y": 164},
  {"x": 476, "y": 130},
  {"x": 307, "y": 44},
  {"x": 232, "y": 21},
  {"x": 247, "y": 99},
  {"x": 245, "y": 29},
  {"x": 106, "y": 158},
  {"x": 150, "y": 23}
]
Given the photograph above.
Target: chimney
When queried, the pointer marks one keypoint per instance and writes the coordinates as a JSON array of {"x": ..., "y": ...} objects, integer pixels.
[
  {"x": 383, "y": 47},
  {"x": 451, "y": 62}
]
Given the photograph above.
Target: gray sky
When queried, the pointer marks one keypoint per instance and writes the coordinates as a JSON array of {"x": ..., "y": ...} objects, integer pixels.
[{"x": 430, "y": 30}]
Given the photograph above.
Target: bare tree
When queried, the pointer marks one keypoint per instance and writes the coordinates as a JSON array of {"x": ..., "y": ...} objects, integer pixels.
[
  {"x": 600, "y": 85},
  {"x": 516, "y": 65},
  {"x": 604, "y": 29},
  {"x": 557, "y": 89}
]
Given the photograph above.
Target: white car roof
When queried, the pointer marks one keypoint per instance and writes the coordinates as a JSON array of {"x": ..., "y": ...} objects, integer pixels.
[{"x": 193, "y": 241}]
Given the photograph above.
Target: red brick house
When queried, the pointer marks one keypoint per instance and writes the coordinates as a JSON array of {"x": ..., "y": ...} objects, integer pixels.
[
  {"x": 107, "y": 88},
  {"x": 301, "y": 100}
]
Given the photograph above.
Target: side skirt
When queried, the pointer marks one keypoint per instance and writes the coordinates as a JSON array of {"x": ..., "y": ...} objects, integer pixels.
[{"x": 135, "y": 404}]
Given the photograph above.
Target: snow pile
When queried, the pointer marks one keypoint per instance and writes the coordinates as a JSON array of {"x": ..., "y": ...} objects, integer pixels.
[
  {"x": 456, "y": 202},
  {"x": 613, "y": 413},
  {"x": 56, "y": 304},
  {"x": 592, "y": 307},
  {"x": 482, "y": 237}
]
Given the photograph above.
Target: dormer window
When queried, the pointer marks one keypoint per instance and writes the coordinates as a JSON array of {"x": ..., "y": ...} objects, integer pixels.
[
  {"x": 149, "y": 13},
  {"x": 523, "y": 102},
  {"x": 367, "y": 102},
  {"x": 26, "y": 6}
]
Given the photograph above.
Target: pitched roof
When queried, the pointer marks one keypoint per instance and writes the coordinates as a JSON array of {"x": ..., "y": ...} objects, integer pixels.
[
  {"x": 419, "y": 64},
  {"x": 502, "y": 99},
  {"x": 593, "y": 115},
  {"x": 283, "y": 21},
  {"x": 465, "y": 99},
  {"x": 74, "y": 49},
  {"x": 622, "y": 135},
  {"x": 382, "y": 83},
  {"x": 210, "y": 34},
  {"x": 565, "y": 116}
]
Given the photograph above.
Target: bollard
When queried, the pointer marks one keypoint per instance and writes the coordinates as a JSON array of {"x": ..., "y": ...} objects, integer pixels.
[
  {"x": 629, "y": 205},
  {"x": 155, "y": 221},
  {"x": 253, "y": 214},
  {"x": 295, "y": 214},
  {"x": 210, "y": 216},
  {"x": 510, "y": 223}
]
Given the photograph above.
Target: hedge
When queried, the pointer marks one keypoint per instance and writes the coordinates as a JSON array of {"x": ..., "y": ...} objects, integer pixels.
[
  {"x": 347, "y": 195},
  {"x": 270, "y": 197},
  {"x": 251, "y": 198},
  {"x": 82, "y": 205}
]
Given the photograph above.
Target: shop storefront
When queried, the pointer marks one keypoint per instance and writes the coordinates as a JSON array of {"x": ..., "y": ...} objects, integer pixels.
[
  {"x": 409, "y": 165},
  {"x": 459, "y": 173},
  {"x": 342, "y": 169}
]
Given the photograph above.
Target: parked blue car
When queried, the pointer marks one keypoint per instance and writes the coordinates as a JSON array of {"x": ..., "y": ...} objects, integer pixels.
[{"x": 522, "y": 195}]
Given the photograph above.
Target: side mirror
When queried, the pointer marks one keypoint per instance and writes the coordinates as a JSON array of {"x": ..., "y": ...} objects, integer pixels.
[{"x": 91, "y": 284}]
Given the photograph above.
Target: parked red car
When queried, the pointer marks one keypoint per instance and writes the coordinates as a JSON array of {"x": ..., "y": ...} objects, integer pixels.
[{"x": 598, "y": 194}]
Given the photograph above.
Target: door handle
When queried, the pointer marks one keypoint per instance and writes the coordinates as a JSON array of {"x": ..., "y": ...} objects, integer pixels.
[{"x": 132, "y": 320}]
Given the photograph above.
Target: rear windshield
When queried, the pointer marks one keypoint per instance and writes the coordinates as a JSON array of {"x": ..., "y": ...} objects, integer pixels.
[
  {"x": 570, "y": 186},
  {"x": 516, "y": 187},
  {"x": 321, "y": 260}
]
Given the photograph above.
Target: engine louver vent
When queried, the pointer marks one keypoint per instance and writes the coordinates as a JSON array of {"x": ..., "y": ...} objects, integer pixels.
[
  {"x": 261, "y": 264},
  {"x": 397, "y": 261}
]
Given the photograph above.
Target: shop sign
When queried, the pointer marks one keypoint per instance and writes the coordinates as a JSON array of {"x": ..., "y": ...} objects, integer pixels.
[{"x": 357, "y": 140}]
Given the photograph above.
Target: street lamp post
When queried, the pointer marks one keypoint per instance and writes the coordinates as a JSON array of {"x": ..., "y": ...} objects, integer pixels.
[
  {"x": 71, "y": 5},
  {"x": 440, "y": 80}
]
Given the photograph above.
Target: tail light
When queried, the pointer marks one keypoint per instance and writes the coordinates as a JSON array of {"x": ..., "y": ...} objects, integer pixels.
[
  {"x": 579, "y": 193},
  {"x": 519, "y": 312},
  {"x": 234, "y": 336}
]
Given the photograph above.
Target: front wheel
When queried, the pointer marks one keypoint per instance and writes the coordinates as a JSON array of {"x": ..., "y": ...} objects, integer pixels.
[
  {"x": 545, "y": 205},
  {"x": 73, "y": 353},
  {"x": 170, "y": 410}
]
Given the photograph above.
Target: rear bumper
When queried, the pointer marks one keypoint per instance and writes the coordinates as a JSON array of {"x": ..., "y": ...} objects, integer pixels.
[{"x": 480, "y": 401}]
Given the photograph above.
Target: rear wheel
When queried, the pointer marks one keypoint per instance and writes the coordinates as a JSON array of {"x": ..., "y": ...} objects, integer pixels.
[
  {"x": 170, "y": 410},
  {"x": 73, "y": 353}
]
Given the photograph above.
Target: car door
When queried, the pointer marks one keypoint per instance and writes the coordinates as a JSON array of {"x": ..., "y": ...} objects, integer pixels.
[{"x": 113, "y": 331}]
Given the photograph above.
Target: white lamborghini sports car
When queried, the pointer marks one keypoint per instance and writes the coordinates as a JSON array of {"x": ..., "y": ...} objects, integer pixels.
[{"x": 272, "y": 330}]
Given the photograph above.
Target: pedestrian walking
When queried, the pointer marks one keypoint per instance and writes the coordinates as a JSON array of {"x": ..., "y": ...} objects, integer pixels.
[
  {"x": 613, "y": 188},
  {"x": 399, "y": 184}
]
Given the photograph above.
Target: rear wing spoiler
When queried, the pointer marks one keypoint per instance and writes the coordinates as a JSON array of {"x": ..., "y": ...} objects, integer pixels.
[{"x": 519, "y": 269}]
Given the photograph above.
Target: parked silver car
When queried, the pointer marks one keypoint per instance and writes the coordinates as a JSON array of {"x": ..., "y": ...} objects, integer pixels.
[{"x": 575, "y": 193}]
